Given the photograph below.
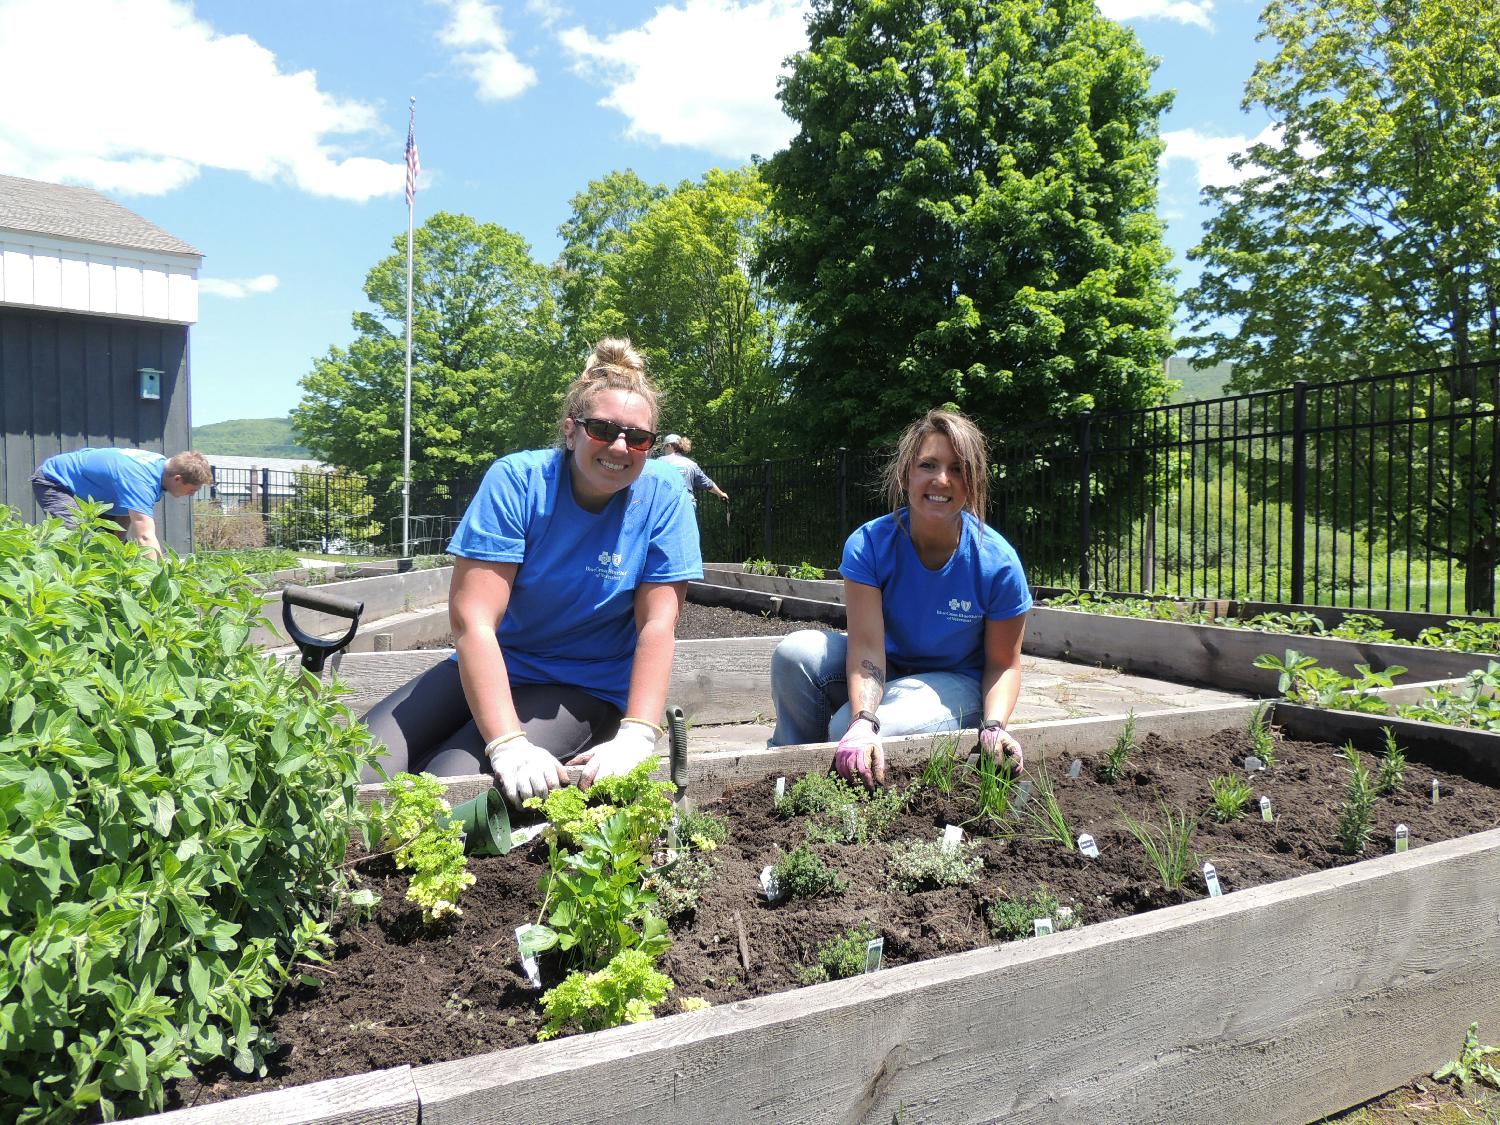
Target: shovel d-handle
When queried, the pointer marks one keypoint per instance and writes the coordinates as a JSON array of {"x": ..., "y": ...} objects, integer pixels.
[{"x": 316, "y": 650}]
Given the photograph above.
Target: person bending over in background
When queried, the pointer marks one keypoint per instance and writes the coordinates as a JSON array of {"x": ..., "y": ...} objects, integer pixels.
[
  {"x": 674, "y": 451},
  {"x": 570, "y": 569},
  {"x": 936, "y": 604},
  {"x": 130, "y": 481}
]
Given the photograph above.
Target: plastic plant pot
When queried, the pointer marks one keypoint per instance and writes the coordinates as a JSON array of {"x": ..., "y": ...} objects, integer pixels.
[{"x": 485, "y": 822}]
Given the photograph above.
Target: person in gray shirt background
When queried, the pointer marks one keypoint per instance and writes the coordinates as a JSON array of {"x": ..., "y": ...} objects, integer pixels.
[{"x": 674, "y": 451}]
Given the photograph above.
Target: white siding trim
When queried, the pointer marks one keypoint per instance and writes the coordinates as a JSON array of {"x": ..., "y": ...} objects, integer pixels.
[{"x": 56, "y": 273}]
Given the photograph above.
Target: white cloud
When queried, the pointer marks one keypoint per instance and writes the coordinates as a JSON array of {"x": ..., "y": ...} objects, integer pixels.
[
  {"x": 701, "y": 74},
  {"x": 138, "y": 96},
  {"x": 238, "y": 287},
  {"x": 547, "y": 11},
  {"x": 1210, "y": 155},
  {"x": 474, "y": 32},
  {"x": 1183, "y": 11}
]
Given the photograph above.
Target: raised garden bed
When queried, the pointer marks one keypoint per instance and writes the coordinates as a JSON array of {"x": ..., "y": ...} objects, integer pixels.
[
  {"x": 1278, "y": 1002},
  {"x": 384, "y": 595}
]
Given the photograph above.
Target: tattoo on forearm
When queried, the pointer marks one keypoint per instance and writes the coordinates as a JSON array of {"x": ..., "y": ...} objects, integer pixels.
[{"x": 872, "y": 691}]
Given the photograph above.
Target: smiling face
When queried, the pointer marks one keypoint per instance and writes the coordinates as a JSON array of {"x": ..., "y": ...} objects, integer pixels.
[
  {"x": 935, "y": 488},
  {"x": 600, "y": 470}
]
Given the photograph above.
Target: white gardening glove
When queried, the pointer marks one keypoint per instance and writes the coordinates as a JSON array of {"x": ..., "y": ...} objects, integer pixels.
[
  {"x": 632, "y": 745},
  {"x": 524, "y": 769}
]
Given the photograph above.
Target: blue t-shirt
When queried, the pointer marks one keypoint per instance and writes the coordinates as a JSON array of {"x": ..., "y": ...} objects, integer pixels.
[
  {"x": 934, "y": 619},
  {"x": 129, "y": 480},
  {"x": 571, "y": 617}
]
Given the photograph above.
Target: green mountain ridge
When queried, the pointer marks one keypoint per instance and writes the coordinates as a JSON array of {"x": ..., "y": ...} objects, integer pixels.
[{"x": 249, "y": 437}]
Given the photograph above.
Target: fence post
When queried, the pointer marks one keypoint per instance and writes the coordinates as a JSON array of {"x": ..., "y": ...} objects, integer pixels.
[
  {"x": 1299, "y": 491},
  {"x": 327, "y": 518},
  {"x": 265, "y": 499},
  {"x": 843, "y": 499},
  {"x": 1085, "y": 473},
  {"x": 765, "y": 505}
]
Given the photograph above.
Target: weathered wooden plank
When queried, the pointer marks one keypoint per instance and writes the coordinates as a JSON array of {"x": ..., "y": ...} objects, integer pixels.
[
  {"x": 384, "y": 595},
  {"x": 813, "y": 589},
  {"x": 1216, "y": 655},
  {"x": 714, "y": 681},
  {"x": 380, "y": 1097},
  {"x": 1474, "y": 753},
  {"x": 1274, "y": 1004}
]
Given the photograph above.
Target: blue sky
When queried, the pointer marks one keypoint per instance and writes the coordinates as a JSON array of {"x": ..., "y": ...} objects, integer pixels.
[{"x": 270, "y": 134}]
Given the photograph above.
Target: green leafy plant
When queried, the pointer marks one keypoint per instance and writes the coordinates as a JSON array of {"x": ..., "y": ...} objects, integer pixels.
[
  {"x": 625, "y": 990},
  {"x": 840, "y": 812},
  {"x": 701, "y": 831},
  {"x": 842, "y": 956},
  {"x": 994, "y": 781},
  {"x": 1355, "y": 824},
  {"x": 415, "y": 826},
  {"x": 1470, "y": 1066},
  {"x": 806, "y": 570},
  {"x": 1302, "y": 680},
  {"x": 1169, "y": 846},
  {"x": 759, "y": 566},
  {"x": 816, "y": 793},
  {"x": 677, "y": 886},
  {"x": 1463, "y": 636},
  {"x": 1476, "y": 704},
  {"x": 927, "y": 864},
  {"x": 1013, "y": 919},
  {"x": 937, "y": 770},
  {"x": 1262, "y": 738},
  {"x": 801, "y": 873},
  {"x": 1230, "y": 796},
  {"x": 1117, "y": 757},
  {"x": 1363, "y": 627},
  {"x": 175, "y": 810},
  {"x": 1392, "y": 765},
  {"x": 1045, "y": 815}
]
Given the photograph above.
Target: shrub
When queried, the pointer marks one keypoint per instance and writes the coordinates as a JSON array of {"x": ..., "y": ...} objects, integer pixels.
[
  {"x": 217, "y": 528},
  {"x": 174, "y": 811},
  {"x": 926, "y": 864},
  {"x": 1011, "y": 919},
  {"x": 840, "y": 957},
  {"x": 801, "y": 873}
]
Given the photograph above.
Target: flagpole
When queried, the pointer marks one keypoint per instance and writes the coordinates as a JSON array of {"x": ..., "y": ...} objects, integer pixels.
[{"x": 411, "y": 175}]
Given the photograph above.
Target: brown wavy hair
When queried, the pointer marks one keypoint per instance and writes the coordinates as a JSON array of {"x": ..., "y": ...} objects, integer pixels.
[
  {"x": 969, "y": 445},
  {"x": 614, "y": 362}
]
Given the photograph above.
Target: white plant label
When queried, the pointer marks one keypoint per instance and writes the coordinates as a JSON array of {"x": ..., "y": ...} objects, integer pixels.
[
  {"x": 780, "y": 788},
  {"x": 1064, "y": 914},
  {"x": 1403, "y": 836},
  {"x": 1023, "y": 794},
  {"x": 672, "y": 838},
  {"x": 1041, "y": 926},
  {"x": 519, "y": 836},
  {"x": 1436, "y": 789},
  {"x": 528, "y": 960},
  {"x": 1087, "y": 846},
  {"x": 769, "y": 886},
  {"x": 874, "y": 951},
  {"x": 1211, "y": 880},
  {"x": 952, "y": 836},
  {"x": 1252, "y": 763},
  {"x": 1265, "y": 809},
  {"x": 851, "y": 821},
  {"x": 1076, "y": 768}
]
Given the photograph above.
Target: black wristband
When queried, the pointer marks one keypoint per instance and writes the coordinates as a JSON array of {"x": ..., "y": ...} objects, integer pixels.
[
  {"x": 993, "y": 724},
  {"x": 874, "y": 722}
]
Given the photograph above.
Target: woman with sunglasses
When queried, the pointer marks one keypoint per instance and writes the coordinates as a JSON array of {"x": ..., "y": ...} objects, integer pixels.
[
  {"x": 570, "y": 567},
  {"x": 936, "y": 606}
]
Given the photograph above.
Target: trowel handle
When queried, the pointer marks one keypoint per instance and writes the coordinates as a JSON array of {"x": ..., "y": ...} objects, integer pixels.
[
  {"x": 677, "y": 741},
  {"x": 333, "y": 604}
]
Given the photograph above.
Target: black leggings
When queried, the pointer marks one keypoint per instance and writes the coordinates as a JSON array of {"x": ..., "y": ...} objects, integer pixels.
[{"x": 426, "y": 724}]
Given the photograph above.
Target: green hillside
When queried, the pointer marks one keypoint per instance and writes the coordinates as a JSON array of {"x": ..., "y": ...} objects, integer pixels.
[
  {"x": 249, "y": 437},
  {"x": 1210, "y": 382}
]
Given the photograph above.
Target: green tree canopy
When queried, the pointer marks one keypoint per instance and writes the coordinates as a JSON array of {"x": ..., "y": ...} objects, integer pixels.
[
  {"x": 1366, "y": 236},
  {"x": 487, "y": 366},
  {"x": 967, "y": 214},
  {"x": 679, "y": 283},
  {"x": 596, "y": 230}
]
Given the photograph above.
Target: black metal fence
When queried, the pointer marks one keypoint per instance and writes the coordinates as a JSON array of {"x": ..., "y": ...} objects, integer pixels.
[{"x": 1380, "y": 493}]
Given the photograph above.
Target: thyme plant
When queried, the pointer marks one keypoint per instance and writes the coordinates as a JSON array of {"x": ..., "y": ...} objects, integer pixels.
[
  {"x": 916, "y": 865},
  {"x": 1011, "y": 919},
  {"x": 842, "y": 956}
]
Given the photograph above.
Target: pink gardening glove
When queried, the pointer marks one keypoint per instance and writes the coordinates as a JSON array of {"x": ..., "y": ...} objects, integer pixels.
[
  {"x": 997, "y": 743},
  {"x": 860, "y": 750}
]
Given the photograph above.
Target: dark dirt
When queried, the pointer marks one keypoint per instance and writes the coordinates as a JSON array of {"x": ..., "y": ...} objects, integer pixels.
[
  {"x": 398, "y": 993},
  {"x": 705, "y": 622}
]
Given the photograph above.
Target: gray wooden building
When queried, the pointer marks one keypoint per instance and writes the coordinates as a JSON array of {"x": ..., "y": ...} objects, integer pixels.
[{"x": 95, "y": 308}]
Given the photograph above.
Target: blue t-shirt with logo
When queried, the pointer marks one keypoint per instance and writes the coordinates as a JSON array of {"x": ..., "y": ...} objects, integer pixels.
[
  {"x": 934, "y": 619},
  {"x": 129, "y": 480},
  {"x": 571, "y": 616}
]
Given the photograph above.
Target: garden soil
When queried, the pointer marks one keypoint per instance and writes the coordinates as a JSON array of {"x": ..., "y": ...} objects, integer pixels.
[
  {"x": 708, "y": 622},
  {"x": 396, "y": 992}
]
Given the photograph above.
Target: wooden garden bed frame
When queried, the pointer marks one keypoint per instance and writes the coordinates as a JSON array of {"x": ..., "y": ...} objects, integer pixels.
[
  {"x": 1279, "y": 1003},
  {"x": 384, "y": 595}
]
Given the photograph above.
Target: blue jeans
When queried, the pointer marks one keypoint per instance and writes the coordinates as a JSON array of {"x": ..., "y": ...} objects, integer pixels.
[{"x": 811, "y": 695}]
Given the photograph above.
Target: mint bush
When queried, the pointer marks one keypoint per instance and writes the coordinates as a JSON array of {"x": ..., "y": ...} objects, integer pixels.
[{"x": 174, "y": 810}]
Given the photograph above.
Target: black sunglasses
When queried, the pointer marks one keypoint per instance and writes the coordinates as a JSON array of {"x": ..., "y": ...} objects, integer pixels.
[{"x": 604, "y": 431}]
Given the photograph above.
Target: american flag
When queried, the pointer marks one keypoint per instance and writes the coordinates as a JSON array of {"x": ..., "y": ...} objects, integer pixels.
[{"x": 413, "y": 165}]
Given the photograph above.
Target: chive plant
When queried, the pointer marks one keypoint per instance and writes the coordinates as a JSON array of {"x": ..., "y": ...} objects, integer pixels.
[
  {"x": 1045, "y": 815},
  {"x": 1169, "y": 846}
]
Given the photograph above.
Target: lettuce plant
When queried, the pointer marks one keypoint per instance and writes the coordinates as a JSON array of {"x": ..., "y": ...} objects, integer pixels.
[
  {"x": 174, "y": 811},
  {"x": 414, "y": 825}
]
